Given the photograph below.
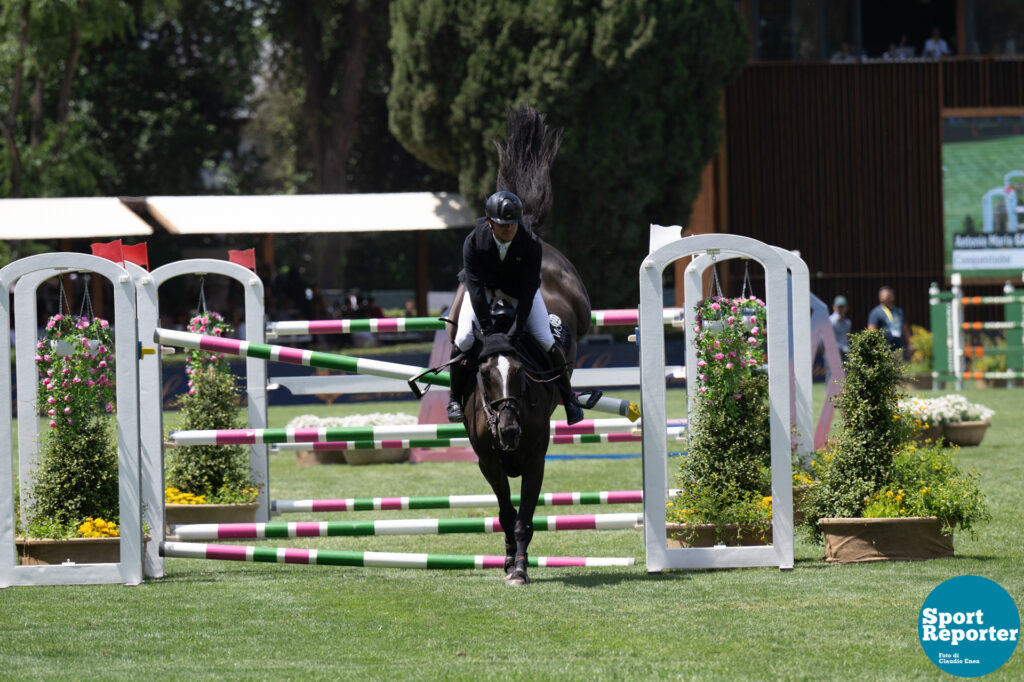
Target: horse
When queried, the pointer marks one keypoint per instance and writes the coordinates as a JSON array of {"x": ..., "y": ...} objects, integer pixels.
[{"x": 509, "y": 406}]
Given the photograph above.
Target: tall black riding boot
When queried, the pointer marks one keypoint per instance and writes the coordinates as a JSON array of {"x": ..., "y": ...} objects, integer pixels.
[
  {"x": 573, "y": 411},
  {"x": 456, "y": 372}
]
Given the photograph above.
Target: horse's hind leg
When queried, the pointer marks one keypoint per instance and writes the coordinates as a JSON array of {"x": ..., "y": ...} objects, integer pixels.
[
  {"x": 494, "y": 474},
  {"x": 533, "y": 478}
]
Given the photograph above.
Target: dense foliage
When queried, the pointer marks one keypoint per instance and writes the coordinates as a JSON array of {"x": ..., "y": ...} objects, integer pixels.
[
  {"x": 635, "y": 86},
  {"x": 217, "y": 473},
  {"x": 859, "y": 462},
  {"x": 77, "y": 474},
  {"x": 724, "y": 477}
]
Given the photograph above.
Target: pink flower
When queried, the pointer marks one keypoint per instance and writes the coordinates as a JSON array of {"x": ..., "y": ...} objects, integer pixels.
[
  {"x": 71, "y": 421},
  {"x": 752, "y": 341},
  {"x": 732, "y": 354},
  {"x": 191, "y": 391},
  {"x": 110, "y": 407},
  {"x": 103, "y": 349},
  {"x": 58, "y": 317},
  {"x": 718, "y": 356},
  {"x": 718, "y": 344},
  {"x": 737, "y": 396},
  {"x": 65, "y": 384},
  {"x": 39, "y": 346},
  {"x": 51, "y": 324},
  {"x": 67, "y": 410},
  {"x": 68, "y": 398},
  {"x": 39, "y": 358},
  {"x": 65, "y": 371},
  {"x": 51, "y": 400},
  {"x": 703, "y": 389},
  {"x": 53, "y": 424},
  {"x": 216, "y": 332},
  {"x": 728, "y": 365},
  {"x": 755, "y": 331},
  {"x": 731, "y": 319},
  {"x": 47, "y": 358},
  {"x": 52, "y": 412},
  {"x": 103, "y": 323},
  {"x": 753, "y": 319},
  {"x": 715, "y": 306},
  {"x": 703, "y": 377},
  {"x": 90, "y": 382},
  {"x": 76, "y": 380},
  {"x": 49, "y": 372},
  {"x": 733, "y": 309},
  {"x": 103, "y": 363},
  {"x": 701, "y": 363},
  {"x": 751, "y": 362}
]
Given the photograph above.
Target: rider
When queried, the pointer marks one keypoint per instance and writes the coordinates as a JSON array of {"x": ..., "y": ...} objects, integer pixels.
[{"x": 502, "y": 259}]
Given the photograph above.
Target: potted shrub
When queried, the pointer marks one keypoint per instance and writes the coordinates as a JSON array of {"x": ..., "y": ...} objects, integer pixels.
[
  {"x": 877, "y": 497},
  {"x": 75, "y": 488},
  {"x": 951, "y": 416},
  {"x": 355, "y": 456},
  {"x": 723, "y": 481},
  {"x": 209, "y": 483}
]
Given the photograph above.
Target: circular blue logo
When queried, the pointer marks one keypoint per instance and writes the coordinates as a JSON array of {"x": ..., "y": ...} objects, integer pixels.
[{"x": 969, "y": 626}]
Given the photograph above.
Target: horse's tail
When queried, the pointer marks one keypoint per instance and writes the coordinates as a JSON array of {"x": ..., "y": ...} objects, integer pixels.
[{"x": 524, "y": 162}]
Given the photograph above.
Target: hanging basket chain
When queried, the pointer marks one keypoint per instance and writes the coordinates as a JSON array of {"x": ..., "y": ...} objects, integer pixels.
[
  {"x": 87, "y": 301},
  {"x": 201, "y": 305}
]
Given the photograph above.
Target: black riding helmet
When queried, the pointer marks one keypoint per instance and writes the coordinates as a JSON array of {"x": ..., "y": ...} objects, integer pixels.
[{"x": 504, "y": 207}]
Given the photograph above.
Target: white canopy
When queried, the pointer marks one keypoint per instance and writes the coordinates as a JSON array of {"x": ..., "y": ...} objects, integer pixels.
[
  {"x": 311, "y": 213},
  {"x": 79, "y": 217}
]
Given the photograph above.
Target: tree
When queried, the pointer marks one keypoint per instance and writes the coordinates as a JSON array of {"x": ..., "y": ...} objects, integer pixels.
[
  {"x": 50, "y": 142},
  {"x": 635, "y": 86}
]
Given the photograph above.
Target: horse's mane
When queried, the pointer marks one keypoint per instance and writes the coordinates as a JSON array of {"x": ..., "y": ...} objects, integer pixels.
[{"x": 524, "y": 162}]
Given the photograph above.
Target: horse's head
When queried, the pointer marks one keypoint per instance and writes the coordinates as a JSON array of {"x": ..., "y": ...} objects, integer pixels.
[{"x": 500, "y": 388}]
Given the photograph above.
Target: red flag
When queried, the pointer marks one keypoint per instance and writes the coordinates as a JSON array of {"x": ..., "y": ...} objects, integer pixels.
[
  {"x": 110, "y": 251},
  {"x": 246, "y": 258},
  {"x": 136, "y": 253}
]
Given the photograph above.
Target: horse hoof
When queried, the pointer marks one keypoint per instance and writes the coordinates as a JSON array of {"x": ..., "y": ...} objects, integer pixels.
[{"x": 517, "y": 578}]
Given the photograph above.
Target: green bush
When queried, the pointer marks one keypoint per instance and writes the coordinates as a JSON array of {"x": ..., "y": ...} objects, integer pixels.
[
  {"x": 77, "y": 474},
  {"x": 725, "y": 476},
  {"x": 219, "y": 473}
]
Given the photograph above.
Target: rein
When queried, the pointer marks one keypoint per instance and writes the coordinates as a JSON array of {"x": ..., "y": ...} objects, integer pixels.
[{"x": 493, "y": 408}]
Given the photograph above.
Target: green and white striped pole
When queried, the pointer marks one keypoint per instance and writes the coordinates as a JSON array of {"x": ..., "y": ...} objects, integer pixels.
[
  {"x": 331, "y": 557},
  {"x": 323, "y": 529}
]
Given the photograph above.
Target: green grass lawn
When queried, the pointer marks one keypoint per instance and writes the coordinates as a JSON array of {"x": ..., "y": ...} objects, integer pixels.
[{"x": 257, "y": 621}]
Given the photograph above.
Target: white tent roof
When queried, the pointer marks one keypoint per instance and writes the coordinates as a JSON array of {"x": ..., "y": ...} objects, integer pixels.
[
  {"x": 80, "y": 217},
  {"x": 311, "y": 213}
]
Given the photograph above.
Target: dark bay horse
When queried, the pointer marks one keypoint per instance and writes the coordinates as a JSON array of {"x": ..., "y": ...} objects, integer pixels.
[{"x": 508, "y": 406}]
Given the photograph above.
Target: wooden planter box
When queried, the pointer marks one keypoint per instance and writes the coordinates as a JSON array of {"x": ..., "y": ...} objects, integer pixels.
[
  {"x": 682, "y": 535},
  {"x": 312, "y": 458},
  {"x": 965, "y": 434},
  {"x": 49, "y": 552},
  {"x": 385, "y": 456},
  {"x": 175, "y": 514},
  {"x": 914, "y": 538}
]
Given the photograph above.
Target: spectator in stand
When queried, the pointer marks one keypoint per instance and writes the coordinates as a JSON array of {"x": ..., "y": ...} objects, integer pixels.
[
  {"x": 889, "y": 318},
  {"x": 841, "y": 325},
  {"x": 410, "y": 308},
  {"x": 935, "y": 47},
  {"x": 372, "y": 309}
]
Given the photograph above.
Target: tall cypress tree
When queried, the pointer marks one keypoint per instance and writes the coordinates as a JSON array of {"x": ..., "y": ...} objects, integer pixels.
[{"x": 635, "y": 86}]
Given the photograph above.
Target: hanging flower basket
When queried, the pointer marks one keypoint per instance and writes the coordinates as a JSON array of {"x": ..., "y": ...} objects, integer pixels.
[
  {"x": 965, "y": 434},
  {"x": 859, "y": 540}
]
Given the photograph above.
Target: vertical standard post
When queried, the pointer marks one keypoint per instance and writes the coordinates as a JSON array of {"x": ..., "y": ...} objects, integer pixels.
[
  {"x": 940, "y": 316},
  {"x": 957, "y": 348},
  {"x": 1014, "y": 312}
]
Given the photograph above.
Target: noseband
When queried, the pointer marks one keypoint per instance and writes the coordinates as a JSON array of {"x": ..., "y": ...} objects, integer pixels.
[{"x": 494, "y": 408}]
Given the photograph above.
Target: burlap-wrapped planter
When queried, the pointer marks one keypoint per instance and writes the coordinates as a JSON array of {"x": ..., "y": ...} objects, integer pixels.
[
  {"x": 312, "y": 458},
  {"x": 914, "y": 538},
  {"x": 682, "y": 535},
  {"x": 384, "y": 456},
  {"x": 965, "y": 434},
  {"x": 51, "y": 552}
]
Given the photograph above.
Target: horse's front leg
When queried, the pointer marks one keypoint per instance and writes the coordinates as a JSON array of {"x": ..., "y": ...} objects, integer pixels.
[
  {"x": 494, "y": 474},
  {"x": 533, "y": 478}
]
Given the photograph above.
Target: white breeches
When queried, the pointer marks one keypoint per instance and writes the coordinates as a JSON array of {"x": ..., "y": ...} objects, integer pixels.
[{"x": 537, "y": 324}]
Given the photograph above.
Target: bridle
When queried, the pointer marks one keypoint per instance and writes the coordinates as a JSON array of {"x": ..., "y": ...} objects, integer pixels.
[{"x": 494, "y": 408}]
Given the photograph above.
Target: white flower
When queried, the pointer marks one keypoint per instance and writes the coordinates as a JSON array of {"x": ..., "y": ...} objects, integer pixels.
[
  {"x": 952, "y": 407},
  {"x": 311, "y": 421}
]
